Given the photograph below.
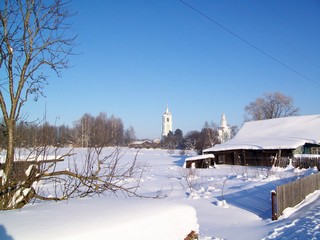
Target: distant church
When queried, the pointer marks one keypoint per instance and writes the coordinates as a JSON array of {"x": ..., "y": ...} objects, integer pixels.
[
  {"x": 224, "y": 130},
  {"x": 166, "y": 123}
]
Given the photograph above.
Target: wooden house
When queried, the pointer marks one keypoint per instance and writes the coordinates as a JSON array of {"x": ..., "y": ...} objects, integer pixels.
[{"x": 261, "y": 143}]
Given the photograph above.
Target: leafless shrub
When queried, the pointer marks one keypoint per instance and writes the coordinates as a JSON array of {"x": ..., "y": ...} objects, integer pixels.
[
  {"x": 191, "y": 176},
  {"x": 96, "y": 174}
]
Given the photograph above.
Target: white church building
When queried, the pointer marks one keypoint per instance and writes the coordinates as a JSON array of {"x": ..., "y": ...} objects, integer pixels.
[
  {"x": 224, "y": 131},
  {"x": 166, "y": 123}
]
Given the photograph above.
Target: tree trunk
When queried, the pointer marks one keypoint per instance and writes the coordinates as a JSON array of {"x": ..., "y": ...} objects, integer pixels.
[{"x": 10, "y": 149}]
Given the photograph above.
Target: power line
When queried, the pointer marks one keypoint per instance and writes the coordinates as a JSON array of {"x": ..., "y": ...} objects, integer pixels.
[{"x": 249, "y": 43}]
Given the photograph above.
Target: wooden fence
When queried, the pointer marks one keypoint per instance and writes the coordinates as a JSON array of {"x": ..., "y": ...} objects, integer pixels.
[
  {"x": 300, "y": 162},
  {"x": 19, "y": 167},
  {"x": 291, "y": 194}
]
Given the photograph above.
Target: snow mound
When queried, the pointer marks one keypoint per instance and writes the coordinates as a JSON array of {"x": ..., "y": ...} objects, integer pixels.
[{"x": 103, "y": 218}]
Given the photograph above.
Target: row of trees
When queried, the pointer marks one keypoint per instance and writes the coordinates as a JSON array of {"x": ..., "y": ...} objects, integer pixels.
[
  {"x": 101, "y": 131},
  {"x": 88, "y": 131},
  {"x": 195, "y": 140}
]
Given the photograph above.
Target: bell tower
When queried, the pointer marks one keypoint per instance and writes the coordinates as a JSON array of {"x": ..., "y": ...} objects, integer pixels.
[
  {"x": 166, "y": 122},
  {"x": 224, "y": 130},
  {"x": 223, "y": 121}
]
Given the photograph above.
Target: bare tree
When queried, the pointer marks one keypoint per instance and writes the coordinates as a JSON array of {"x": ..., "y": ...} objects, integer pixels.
[
  {"x": 115, "y": 131},
  {"x": 192, "y": 140},
  {"x": 92, "y": 131},
  {"x": 271, "y": 105},
  {"x": 209, "y": 138},
  {"x": 129, "y": 135},
  {"x": 34, "y": 38},
  {"x": 84, "y": 130}
]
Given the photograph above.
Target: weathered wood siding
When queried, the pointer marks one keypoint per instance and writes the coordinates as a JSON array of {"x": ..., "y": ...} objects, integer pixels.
[
  {"x": 250, "y": 157},
  {"x": 201, "y": 163},
  {"x": 291, "y": 194}
]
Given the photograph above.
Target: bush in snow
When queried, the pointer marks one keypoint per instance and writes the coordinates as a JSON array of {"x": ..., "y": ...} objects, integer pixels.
[{"x": 98, "y": 173}]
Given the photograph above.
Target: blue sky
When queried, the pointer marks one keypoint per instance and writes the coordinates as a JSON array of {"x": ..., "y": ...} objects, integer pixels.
[{"x": 137, "y": 56}]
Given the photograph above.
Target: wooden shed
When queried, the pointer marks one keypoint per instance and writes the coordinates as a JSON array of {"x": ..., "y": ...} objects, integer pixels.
[{"x": 201, "y": 161}]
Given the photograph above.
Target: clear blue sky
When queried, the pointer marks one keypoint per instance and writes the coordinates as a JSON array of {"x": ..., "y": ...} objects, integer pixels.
[{"x": 137, "y": 56}]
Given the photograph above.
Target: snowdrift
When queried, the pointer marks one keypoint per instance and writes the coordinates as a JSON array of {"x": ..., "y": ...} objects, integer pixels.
[{"x": 101, "y": 218}]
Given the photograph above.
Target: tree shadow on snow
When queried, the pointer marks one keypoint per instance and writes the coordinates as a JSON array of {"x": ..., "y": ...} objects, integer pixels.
[
  {"x": 3, "y": 234},
  {"x": 180, "y": 160},
  {"x": 256, "y": 200}
]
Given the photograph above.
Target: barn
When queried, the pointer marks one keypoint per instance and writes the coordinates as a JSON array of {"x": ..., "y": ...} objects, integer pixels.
[{"x": 265, "y": 142}]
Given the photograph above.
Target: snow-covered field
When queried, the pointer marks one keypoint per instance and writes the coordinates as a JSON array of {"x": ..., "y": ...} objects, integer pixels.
[{"x": 226, "y": 202}]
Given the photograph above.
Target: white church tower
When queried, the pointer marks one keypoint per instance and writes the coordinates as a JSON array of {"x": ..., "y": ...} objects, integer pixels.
[
  {"x": 166, "y": 122},
  {"x": 224, "y": 130}
]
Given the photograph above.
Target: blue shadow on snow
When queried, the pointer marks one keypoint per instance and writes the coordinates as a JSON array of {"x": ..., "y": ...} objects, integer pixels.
[
  {"x": 180, "y": 160},
  {"x": 3, "y": 234},
  {"x": 256, "y": 200}
]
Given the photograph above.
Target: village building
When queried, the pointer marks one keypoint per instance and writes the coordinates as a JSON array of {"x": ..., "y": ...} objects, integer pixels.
[
  {"x": 166, "y": 123},
  {"x": 266, "y": 142},
  {"x": 224, "y": 131},
  {"x": 145, "y": 144}
]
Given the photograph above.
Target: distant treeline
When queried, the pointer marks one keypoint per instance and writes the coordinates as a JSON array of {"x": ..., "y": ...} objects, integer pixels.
[
  {"x": 104, "y": 131},
  {"x": 89, "y": 131}
]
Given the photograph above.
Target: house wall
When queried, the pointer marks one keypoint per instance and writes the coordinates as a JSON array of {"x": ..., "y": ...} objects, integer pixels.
[
  {"x": 311, "y": 149},
  {"x": 250, "y": 157}
]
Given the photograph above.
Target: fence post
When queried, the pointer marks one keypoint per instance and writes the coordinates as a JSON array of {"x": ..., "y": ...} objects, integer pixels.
[{"x": 273, "y": 203}]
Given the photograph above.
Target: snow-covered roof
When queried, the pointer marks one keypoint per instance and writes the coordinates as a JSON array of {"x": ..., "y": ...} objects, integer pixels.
[
  {"x": 285, "y": 133},
  {"x": 200, "y": 157},
  {"x": 197, "y": 158},
  {"x": 141, "y": 142}
]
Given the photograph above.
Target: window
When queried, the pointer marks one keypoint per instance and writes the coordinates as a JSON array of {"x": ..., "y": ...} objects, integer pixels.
[
  {"x": 221, "y": 158},
  {"x": 167, "y": 119}
]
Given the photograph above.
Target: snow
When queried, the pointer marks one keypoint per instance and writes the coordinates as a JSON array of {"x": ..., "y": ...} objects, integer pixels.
[
  {"x": 226, "y": 202},
  {"x": 102, "y": 218},
  {"x": 305, "y": 222},
  {"x": 33, "y": 157},
  {"x": 3, "y": 176},
  {"x": 29, "y": 169},
  {"x": 18, "y": 196},
  {"x": 200, "y": 157},
  {"x": 285, "y": 133}
]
